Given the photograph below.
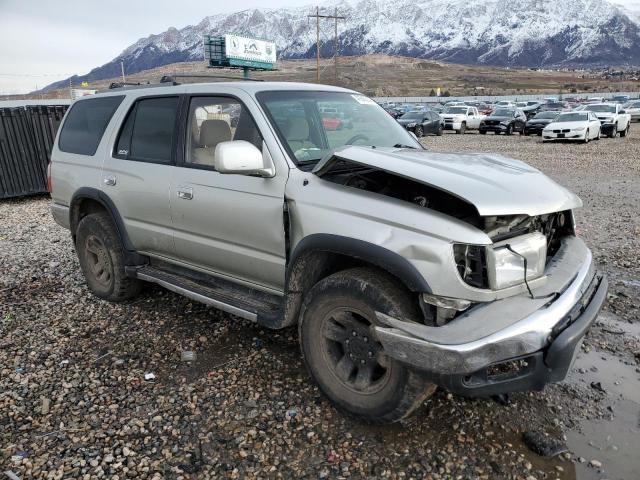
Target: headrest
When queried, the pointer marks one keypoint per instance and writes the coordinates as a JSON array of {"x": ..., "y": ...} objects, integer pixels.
[{"x": 212, "y": 132}]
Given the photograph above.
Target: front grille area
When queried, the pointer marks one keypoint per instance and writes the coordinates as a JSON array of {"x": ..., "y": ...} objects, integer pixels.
[{"x": 564, "y": 130}]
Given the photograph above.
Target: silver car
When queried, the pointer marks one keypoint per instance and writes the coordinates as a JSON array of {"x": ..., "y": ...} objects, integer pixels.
[{"x": 403, "y": 269}]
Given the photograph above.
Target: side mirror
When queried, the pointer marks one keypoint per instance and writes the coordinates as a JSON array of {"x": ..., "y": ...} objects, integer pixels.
[{"x": 242, "y": 158}]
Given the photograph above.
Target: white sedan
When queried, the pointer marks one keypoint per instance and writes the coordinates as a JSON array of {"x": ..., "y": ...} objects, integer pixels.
[
  {"x": 633, "y": 109},
  {"x": 581, "y": 125}
]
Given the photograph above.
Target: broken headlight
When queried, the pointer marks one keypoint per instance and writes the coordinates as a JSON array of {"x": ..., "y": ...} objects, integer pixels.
[
  {"x": 517, "y": 260},
  {"x": 471, "y": 262},
  {"x": 503, "y": 264}
]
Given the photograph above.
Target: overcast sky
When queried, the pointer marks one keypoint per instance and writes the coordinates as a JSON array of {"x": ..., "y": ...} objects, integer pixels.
[{"x": 42, "y": 41}]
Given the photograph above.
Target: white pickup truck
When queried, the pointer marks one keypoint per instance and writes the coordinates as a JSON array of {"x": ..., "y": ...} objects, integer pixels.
[
  {"x": 461, "y": 118},
  {"x": 613, "y": 118}
]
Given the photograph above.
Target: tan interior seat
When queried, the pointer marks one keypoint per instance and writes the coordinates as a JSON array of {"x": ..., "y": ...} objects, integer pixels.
[
  {"x": 297, "y": 133},
  {"x": 212, "y": 132}
]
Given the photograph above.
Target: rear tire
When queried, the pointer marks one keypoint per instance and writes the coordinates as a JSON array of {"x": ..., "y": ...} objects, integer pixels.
[
  {"x": 102, "y": 259},
  {"x": 341, "y": 351}
]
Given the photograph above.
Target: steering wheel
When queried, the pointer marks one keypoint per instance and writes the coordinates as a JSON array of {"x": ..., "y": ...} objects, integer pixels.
[{"x": 357, "y": 137}]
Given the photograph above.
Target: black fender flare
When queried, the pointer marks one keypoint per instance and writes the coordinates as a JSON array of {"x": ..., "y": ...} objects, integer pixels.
[
  {"x": 133, "y": 258},
  {"x": 381, "y": 257}
]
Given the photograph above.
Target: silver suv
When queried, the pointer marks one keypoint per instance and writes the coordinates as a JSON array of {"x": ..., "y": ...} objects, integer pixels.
[{"x": 403, "y": 269}]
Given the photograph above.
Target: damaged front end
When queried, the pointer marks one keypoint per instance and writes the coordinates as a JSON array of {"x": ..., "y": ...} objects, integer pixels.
[
  {"x": 520, "y": 298},
  {"x": 519, "y": 245}
]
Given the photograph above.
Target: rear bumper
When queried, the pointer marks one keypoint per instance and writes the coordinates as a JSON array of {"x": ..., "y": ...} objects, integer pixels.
[
  {"x": 60, "y": 214},
  {"x": 522, "y": 355}
]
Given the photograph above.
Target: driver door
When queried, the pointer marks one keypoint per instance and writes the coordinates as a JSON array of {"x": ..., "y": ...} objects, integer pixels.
[{"x": 228, "y": 224}]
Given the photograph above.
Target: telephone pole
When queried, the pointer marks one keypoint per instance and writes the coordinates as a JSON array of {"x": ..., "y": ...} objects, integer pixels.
[
  {"x": 122, "y": 70},
  {"x": 335, "y": 18}
]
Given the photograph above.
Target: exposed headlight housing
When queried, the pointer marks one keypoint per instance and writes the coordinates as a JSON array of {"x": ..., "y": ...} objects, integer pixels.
[
  {"x": 411, "y": 125},
  {"x": 502, "y": 264},
  {"x": 511, "y": 261}
]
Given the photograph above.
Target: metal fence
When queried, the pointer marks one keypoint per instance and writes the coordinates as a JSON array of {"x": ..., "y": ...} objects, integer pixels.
[{"x": 26, "y": 138}]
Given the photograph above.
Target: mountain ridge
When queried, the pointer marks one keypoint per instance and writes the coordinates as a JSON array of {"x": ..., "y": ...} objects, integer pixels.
[{"x": 541, "y": 33}]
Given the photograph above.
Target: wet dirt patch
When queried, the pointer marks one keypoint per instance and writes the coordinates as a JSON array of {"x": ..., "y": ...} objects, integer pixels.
[{"x": 612, "y": 440}]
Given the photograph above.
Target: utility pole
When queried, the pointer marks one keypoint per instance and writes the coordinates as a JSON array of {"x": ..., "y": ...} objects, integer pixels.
[
  {"x": 122, "y": 70},
  {"x": 334, "y": 17}
]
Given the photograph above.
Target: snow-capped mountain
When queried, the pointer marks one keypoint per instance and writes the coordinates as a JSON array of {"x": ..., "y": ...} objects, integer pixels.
[{"x": 529, "y": 33}]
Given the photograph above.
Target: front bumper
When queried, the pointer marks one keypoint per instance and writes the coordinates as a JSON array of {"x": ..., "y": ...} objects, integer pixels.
[
  {"x": 493, "y": 128},
  {"x": 564, "y": 136},
  {"x": 452, "y": 125},
  {"x": 534, "y": 129},
  {"x": 535, "y": 338}
]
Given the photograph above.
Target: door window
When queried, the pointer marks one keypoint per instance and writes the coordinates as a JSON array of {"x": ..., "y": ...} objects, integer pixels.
[
  {"x": 148, "y": 134},
  {"x": 213, "y": 120}
]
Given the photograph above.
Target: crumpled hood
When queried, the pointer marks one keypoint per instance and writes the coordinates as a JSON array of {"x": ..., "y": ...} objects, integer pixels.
[{"x": 494, "y": 184}]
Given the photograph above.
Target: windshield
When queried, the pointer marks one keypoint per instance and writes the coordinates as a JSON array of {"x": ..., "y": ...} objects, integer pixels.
[
  {"x": 503, "y": 112},
  {"x": 456, "y": 110},
  {"x": 547, "y": 115},
  {"x": 634, "y": 105},
  {"x": 603, "y": 108},
  {"x": 309, "y": 136},
  {"x": 572, "y": 117}
]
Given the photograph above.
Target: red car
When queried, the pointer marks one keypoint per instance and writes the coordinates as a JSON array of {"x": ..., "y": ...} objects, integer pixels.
[{"x": 331, "y": 123}]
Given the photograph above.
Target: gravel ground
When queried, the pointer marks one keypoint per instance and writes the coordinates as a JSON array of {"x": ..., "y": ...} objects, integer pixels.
[{"x": 74, "y": 401}]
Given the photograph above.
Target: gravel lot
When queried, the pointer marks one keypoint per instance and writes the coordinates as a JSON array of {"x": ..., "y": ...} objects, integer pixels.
[{"x": 74, "y": 401}]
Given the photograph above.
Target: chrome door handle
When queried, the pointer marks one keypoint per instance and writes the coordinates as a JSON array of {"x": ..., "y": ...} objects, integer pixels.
[
  {"x": 185, "y": 193},
  {"x": 109, "y": 180}
]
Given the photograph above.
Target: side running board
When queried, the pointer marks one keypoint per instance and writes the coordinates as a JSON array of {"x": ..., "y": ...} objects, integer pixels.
[{"x": 229, "y": 297}]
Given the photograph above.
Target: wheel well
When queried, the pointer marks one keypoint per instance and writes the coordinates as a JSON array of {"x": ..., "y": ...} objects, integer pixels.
[
  {"x": 311, "y": 267},
  {"x": 82, "y": 208}
]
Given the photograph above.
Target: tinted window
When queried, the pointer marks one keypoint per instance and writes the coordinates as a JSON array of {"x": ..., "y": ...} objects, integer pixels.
[
  {"x": 148, "y": 133},
  {"x": 86, "y": 123}
]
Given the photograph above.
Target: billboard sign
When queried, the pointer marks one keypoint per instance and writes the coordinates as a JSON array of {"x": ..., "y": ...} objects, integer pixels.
[{"x": 244, "y": 51}]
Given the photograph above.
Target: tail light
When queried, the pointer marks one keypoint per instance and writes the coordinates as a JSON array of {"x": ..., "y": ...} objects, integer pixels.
[{"x": 49, "y": 177}]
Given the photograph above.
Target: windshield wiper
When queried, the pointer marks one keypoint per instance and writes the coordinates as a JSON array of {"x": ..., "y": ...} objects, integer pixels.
[{"x": 402, "y": 145}]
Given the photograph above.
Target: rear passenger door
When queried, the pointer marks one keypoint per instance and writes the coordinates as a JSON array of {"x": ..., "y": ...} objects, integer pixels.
[
  {"x": 227, "y": 224},
  {"x": 137, "y": 174}
]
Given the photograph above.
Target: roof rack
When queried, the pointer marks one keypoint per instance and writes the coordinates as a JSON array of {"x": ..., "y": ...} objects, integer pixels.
[
  {"x": 167, "y": 80},
  {"x": 172, "y": 78}
]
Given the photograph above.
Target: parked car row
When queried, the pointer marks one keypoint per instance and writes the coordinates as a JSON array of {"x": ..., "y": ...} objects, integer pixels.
[{"x": 551, "y": 119}]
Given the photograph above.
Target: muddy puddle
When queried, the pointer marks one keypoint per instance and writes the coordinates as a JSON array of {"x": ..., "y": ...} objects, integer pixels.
[{"x": 613, "y": 441}]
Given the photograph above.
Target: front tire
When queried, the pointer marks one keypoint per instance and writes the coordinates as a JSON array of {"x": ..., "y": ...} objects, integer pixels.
[
  {"x": 586, "y": 136},
  {"x": 463, "y": 128},
  {"x": 440, "y": 131},
  {"x": 343, "y": 355},
  {"x": 419, "y": 131},
  {"x": 509, "y": 130},
  {"x": 102, "y": 259},
  {"x": 625, "y": 132}
]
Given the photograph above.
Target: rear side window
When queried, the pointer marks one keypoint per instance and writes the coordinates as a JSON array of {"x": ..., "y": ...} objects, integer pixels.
[
  {"x": 148, "y": 134},
  {"x": 86, "y": 123}
]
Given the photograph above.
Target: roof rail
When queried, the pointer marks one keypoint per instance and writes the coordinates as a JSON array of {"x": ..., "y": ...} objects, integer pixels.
[{"x": 172, "y": 78}]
